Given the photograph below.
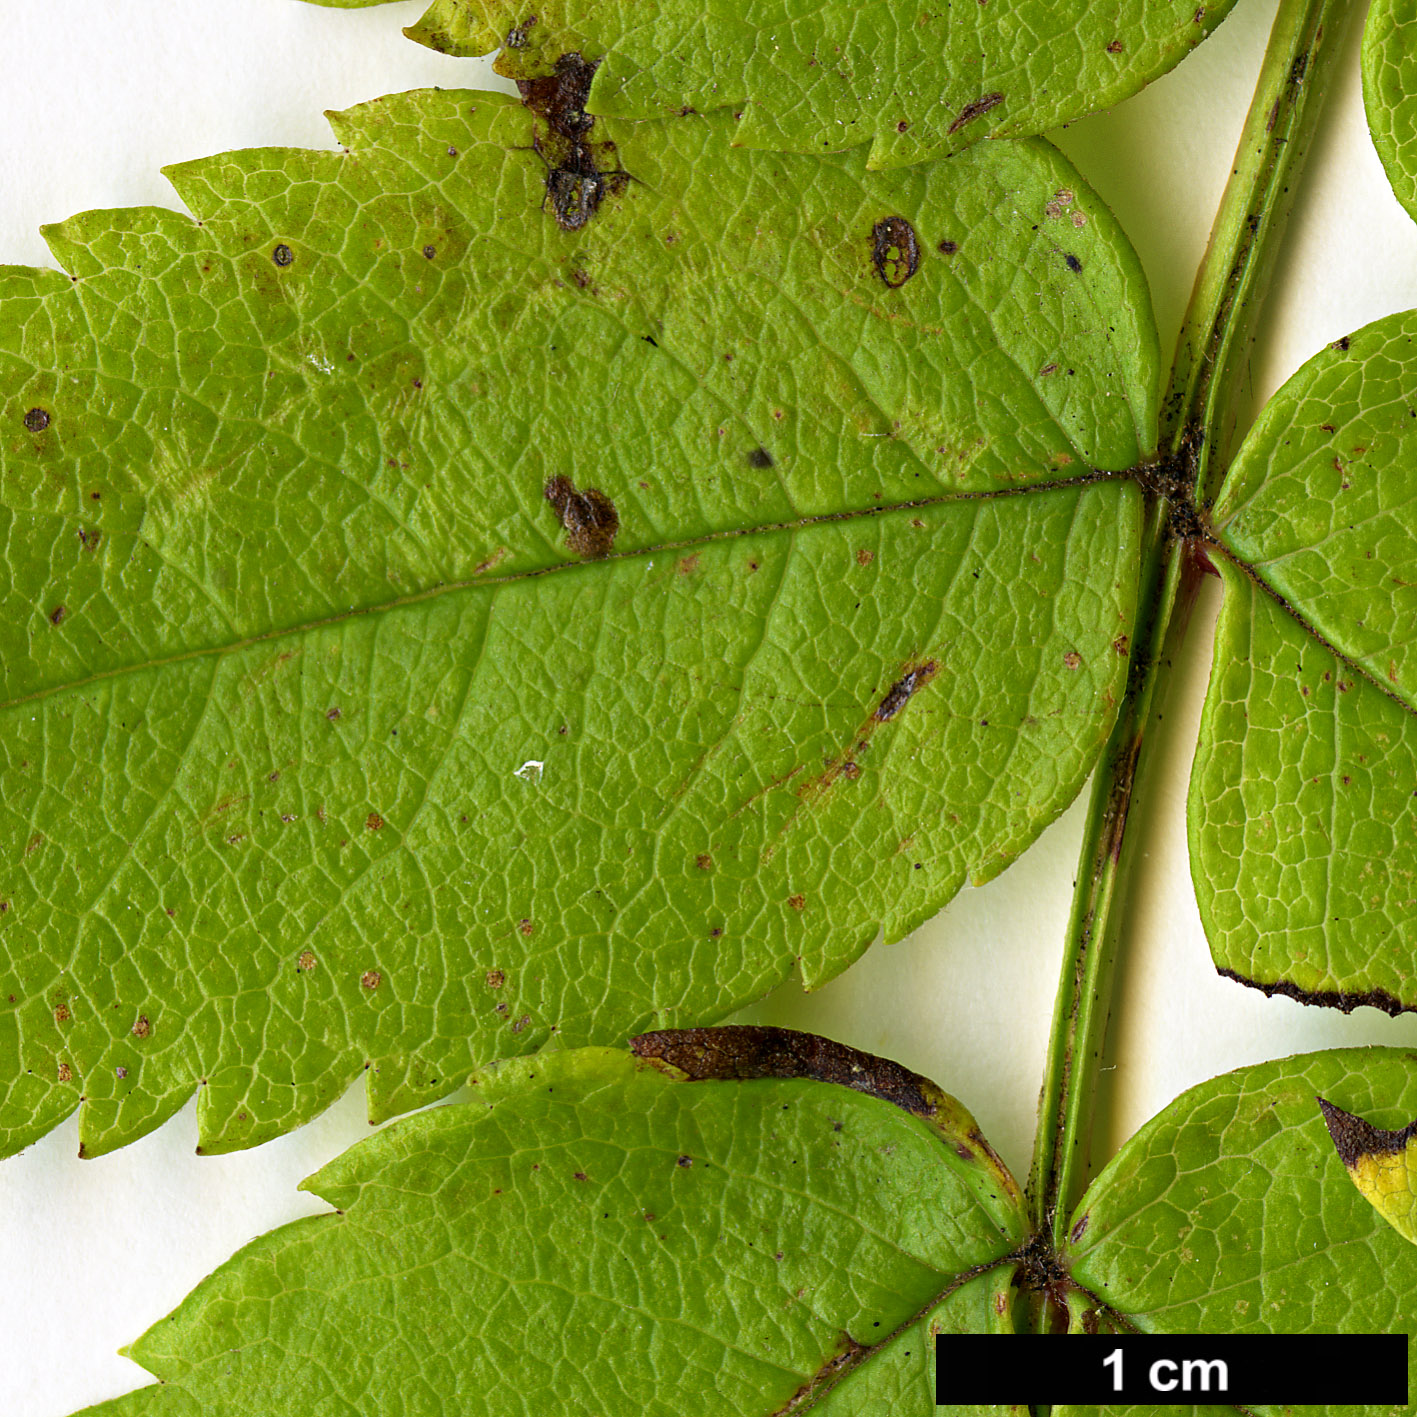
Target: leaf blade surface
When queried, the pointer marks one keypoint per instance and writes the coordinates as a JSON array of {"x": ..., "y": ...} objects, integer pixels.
[
  {"x": 1301, "y": 812},
  {"x": 589, "y": 1232},
  {"x": 339, "y": 757},
  {"x": 915, "y": 85},
  {"x": 1230, "y": 1212}
]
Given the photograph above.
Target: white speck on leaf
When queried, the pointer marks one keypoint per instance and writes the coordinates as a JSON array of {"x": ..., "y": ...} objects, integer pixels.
[{"x": 530, "y": 771}]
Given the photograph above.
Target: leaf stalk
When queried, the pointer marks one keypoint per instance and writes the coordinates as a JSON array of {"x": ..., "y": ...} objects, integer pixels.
[
  {"x": 1210, "y": 378},
  {"x": 1199, "y": 411}
]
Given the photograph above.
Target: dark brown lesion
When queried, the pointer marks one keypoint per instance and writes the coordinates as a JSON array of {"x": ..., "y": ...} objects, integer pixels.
[
  {"x": 743, "y": 1052},
  {"x": 589, "y": 517},
  {"x": 1354, "y": 1138},
  {"x": 580, "y": 173}
]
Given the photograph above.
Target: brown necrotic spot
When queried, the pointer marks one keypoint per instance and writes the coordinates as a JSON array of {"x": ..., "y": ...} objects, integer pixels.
[
  {"x": 589, "y": 517},
  {"x": 895, "y": 250},
  {"x": 283, "y": 255},
  {"x": 374, "y": 822},
  {"x": 37, "y": 420},
  {"x": 977, "y": 109},
  {"x": 371, "y": 979},
  {"x": 142, "y": 1028},
  {"x": 57, "y": 615},
  {"x": 900, "y": 693},
  {"x": 760, "y": 457}
]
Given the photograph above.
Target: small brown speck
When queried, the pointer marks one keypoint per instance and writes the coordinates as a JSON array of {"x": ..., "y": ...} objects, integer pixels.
[
  {"x": 797, "y": 902},
  {"x": 306, "y": 962},
  {"x": 121, "y": 1071},
  {"x": 283, "y": 255},
  {"x": 1072, "y": 659},
  {"x": 496, "y": 978},
  {"x": 850, "y": 771},
  {"x": 704, "y": 862},
  {"x": 57, "y": 614},
  {"x": 1121, "y": 644},
  {"x": 864, "y": 557},
  {"x": 332, "y": 713},
  {"x": 525, "y": 926},
  {"x": 429, "y": 252},
  {"x": 142, "y": 1028},
  {"x": 948, "y": 248},
  {"x": 685, "y": 1162},
  {"x": 65, "y": 1072},
  {"x": 61, "y": 1014},
  {"x": 37, "y": 420},
  {"x": 374, "y": 821},
  {"x": 521, "y": 1023},
  {"x": 371, "y": 979},
  {"x": 1115, "y": 47},
  {"x": 581, "y": 1176}
]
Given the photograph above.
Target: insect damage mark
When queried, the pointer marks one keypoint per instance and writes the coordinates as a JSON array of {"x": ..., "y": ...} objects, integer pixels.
[
  {"x": 845, "y": 763},
  {"x": 895, "y": 250},
  {"x": 900, "y": 693},
  {"x": 589, "y": 517},
  {"x": 976, "y": 109},
  {"x": 579, "y": 173},
  {"x": 743, "y": 1052}
]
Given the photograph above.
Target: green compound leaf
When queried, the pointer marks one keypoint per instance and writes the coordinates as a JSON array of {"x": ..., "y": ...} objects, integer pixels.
[
  {"x": 593, "y": 1234},
  {"x": 1303, "y": 807},
  {"x": 1231, "y": 1212},
  {"x": 1390, "y": 92},
  {"x": 321, "y": 748},
  {"x": 915, "y": 83}
]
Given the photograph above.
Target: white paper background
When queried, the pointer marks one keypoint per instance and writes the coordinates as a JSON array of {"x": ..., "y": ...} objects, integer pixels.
[{"x": 95, "y": 95}]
